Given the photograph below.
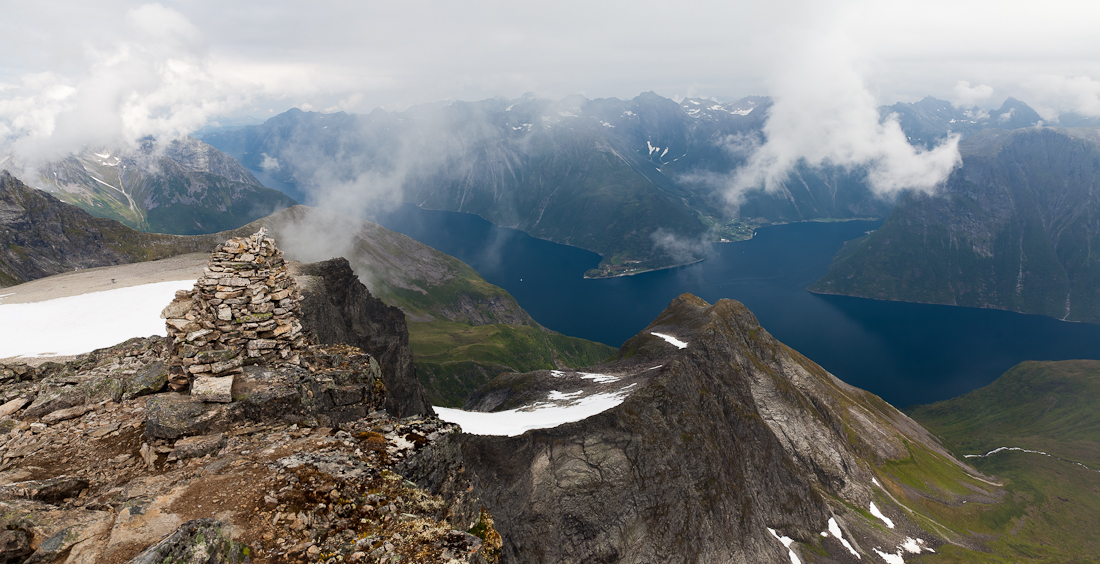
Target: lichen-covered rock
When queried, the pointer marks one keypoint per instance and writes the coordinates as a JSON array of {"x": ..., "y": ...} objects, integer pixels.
[
  {"x": 334, "y": 385},
  {"x": 200, "y": 541},
  {"x": 171, "y": 416},
  {"x": 149, "y": 380}
]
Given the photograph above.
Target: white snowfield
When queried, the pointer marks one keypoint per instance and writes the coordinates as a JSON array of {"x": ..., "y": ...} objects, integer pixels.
[
  {"x": 672, "y": 340},
  {"x": 538, "y": 416},
  {"x": 79, "y": 324}
]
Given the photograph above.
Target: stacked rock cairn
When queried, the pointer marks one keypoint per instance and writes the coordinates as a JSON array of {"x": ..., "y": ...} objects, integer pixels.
[{"x": 243, "y": 310}]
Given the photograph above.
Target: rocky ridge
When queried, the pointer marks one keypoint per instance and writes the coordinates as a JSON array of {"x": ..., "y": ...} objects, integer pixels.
[
  {"x": 99, "y": 463},
  {"x": 728, "y": 447}
]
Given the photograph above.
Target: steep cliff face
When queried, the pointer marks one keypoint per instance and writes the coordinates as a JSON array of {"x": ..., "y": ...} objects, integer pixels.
[
  {"x": 337, "y": 308},
  {"x": 41, "y": 236},
  {"x": 719, "y": 449},
  {"x": 1012, "y": 229}
]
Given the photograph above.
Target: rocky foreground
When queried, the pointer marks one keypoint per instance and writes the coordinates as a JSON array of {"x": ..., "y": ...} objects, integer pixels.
[
  {"x": 88, "y": 482},
  {"x": 120, "y": 456}
]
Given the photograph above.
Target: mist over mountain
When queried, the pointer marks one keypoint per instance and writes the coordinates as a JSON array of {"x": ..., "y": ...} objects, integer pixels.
[
  {"x": 184, "y": 187},
  {"x": 636, "y": 180},
  {"x": 930, "y": 120}
]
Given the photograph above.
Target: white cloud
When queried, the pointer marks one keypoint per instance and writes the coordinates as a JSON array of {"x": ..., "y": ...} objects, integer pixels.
[
  {"x": 824, "y": 115},
  {"x": 85, "y": 70},
  {"x": 967, "y": 96}
]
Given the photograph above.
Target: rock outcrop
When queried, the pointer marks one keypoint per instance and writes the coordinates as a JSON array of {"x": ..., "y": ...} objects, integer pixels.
[
  {"x": 338, "y": 308},
  {"x": 98, "y": 463},
  {"x": 733, "y": 448}
]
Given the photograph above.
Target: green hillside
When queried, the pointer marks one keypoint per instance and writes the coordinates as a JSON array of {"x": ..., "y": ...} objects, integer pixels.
[
  {"x": 453, "y": 359},
  {"x": 1051, "y": 507}
]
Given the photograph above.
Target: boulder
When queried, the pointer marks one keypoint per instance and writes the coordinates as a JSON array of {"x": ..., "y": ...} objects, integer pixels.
[
  {"x": 149, "y": 380},
  {"x": 196, "y": 447},
  {"x": 201, "y": 541},
  {"x": 171, "y": 416},
  {"x": 214, "y": 389}
]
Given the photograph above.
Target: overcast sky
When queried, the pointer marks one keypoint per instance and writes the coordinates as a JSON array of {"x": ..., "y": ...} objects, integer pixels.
[{"x": 130, "y": 68}]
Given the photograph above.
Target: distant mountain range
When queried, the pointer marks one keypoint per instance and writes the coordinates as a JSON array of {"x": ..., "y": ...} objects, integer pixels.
[
  {"x": 1017, "y": 227},
  {"x": 185, "y": 188},
  {"x": 632, "y": 180}
]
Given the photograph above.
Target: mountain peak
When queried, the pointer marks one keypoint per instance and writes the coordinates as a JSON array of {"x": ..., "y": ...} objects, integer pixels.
[{"x": 741, "y": 438}]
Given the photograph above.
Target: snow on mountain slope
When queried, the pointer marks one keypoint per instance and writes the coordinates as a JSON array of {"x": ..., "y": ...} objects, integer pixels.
[{"x": 79, "y": 324}]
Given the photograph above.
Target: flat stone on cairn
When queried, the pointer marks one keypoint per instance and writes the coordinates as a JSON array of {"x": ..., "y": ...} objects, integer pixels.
[{"x": 243, "y": 310}]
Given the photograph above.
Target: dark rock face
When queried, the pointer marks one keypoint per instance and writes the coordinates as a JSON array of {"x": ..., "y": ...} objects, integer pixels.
[
  {"x": 41, "y": 236},
  {"x": 1011, "y": 229},
  {"x": 731, "y": 436},
  {"x": 338, "y": 308}
]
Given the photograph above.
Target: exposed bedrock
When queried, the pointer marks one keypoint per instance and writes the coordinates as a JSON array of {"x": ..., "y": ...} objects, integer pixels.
[{"x": 729, "y": 437}]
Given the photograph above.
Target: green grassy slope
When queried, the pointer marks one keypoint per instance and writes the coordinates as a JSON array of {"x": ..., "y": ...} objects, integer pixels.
[
  {"x": 1051, "y": 508},
  {"x": 453, "y": 359}
]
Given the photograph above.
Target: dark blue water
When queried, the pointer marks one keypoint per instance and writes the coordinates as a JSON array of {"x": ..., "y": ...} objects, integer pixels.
[{"x": 905, "y": 353}]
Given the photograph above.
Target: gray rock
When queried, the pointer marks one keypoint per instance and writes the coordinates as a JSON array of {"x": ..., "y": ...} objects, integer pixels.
[
  {"x": 149, "y": 380},
  {"x": 201, "y": 541},
  {"x": 171, "y": 416},
  {"x": 66, "y": 414},
  {"x": 216, "y": 389},
  {"x": 341, "y": 310},
  {"x": 13, "y": 406},
  {"x": 195, "y": 447},
  {"x": 53, "y": 490},
  {"x": 50, "y": 400},
  {"x": 15, "y": 546}
]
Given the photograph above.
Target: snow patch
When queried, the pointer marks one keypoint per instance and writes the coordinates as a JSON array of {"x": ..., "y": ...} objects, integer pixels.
[
  {"x": 598, "y": 378},
  {"x": 672, "y": 340},
  {"x": 509, "y": 108},
  {"x": 883, "y": 518},
  {"x": 79, "y": 324},
  {"x": 103, "y": 155},
  {"x": 664, "y": 153},
  {"x": 743, "y": 112},
  {"x": 875, "y": 482},
  {"x": 914, "y": 546},
  {"x": 555, "y": 395},
  {"x": 628, "y": 113},
  {"x": 787, "y": 543},
  {"x": 834, "y": 528},
  {"x": 889, "y": 558},
  {"x": 538, "y": 416}
]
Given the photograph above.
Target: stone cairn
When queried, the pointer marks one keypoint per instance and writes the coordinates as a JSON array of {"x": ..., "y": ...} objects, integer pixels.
[{"x": 243, "y": 310}]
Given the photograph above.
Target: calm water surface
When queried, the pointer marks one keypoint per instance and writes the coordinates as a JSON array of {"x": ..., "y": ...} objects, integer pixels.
[{"x": 905, "y": 353}]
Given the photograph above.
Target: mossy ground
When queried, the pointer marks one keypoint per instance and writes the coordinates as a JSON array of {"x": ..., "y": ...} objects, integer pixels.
[{"x": 1051, "y": 507}]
